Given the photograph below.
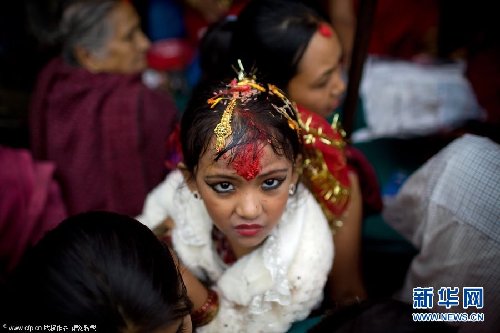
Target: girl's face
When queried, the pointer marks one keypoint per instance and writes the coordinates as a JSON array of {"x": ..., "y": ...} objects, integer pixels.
[
  {"x": 125, "y": 51},
  {"x": 245, "y": 209},
  {"x": 318, "y": 85}
]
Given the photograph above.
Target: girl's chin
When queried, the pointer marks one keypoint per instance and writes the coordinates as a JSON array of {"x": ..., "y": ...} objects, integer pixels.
[
  {"x": 250, "y": 243},
  {"x": 326, "y": 112}
]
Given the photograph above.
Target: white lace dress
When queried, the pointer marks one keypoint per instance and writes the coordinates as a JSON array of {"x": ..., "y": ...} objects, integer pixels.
[{"x": 270, "y": 288}]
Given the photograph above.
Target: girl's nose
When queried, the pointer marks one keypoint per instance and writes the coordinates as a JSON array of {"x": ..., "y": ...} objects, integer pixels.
[
  {"x": 249, "y": 206},
  {"x": 338, "y": 86},
  {"x": 143, "y": 41}
]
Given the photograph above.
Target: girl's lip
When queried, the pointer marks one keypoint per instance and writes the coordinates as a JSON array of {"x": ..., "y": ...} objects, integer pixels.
[
  {"x": 335, "y": 104},
  {"x": 248, "y": 226},
  {"x": 248, "y": 230}
]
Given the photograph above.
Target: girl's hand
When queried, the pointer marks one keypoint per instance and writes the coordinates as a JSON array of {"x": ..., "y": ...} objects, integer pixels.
[
  {"x": 164, "y": 231},
  {"x": 196, "y": 290}
]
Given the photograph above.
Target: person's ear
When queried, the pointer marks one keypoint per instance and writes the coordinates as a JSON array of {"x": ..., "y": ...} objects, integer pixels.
[
  {"x": 189, "y": 177},
  {"x": 87, "y": 59},
  {"x": 297, "y": 169}
]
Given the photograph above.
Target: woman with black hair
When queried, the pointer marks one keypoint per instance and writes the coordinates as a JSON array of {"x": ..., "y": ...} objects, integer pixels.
[{"x": 101, "y": 269}]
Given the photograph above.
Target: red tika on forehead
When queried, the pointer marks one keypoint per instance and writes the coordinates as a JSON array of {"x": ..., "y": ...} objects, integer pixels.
[
  {"x": 247, "y": 162},
  {"x": 325, "y": 30}
]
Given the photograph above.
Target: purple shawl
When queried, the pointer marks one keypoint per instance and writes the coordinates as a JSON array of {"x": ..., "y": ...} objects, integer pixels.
[{"x": 106, "y": 134}]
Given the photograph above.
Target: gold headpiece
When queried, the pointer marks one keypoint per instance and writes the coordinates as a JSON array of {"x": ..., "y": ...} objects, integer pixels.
[{"x": 243, "y": 88}]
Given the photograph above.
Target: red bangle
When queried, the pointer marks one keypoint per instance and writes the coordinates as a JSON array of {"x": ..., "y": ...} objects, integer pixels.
[{"x": 207, "y": 312}]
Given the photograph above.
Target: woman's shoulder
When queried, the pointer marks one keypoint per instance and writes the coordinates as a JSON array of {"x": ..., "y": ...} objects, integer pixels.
[{"x": 69, "y": 77}]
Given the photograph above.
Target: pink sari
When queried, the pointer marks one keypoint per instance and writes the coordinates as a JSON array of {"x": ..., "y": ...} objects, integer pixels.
[{"x": 30, "y": 204}]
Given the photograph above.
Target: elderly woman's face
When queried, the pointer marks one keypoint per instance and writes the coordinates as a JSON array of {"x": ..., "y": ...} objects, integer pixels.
[{"x": 125, "y": 51}]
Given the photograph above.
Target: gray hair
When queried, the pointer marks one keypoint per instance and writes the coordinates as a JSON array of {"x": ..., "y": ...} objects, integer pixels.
[{"x": 85, "y": 23}]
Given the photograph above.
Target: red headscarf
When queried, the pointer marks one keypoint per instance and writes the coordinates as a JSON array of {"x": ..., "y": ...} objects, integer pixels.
[
  {"x": 326, "y": 172},
  {"x": 328, "y": 160}
]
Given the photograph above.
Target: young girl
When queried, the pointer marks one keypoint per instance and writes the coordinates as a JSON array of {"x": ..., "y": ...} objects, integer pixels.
[
  {"x": 255, "y": 244},
  {"x": 297, "y": 49}
]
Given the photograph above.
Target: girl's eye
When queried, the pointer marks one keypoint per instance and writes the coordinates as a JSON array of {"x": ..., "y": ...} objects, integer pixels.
[
  {"x": 320, "y": 85},
  {"x": 182, "y": 328},
  {"x": 131, "y": 35},
  {"x": 223, "y": 187},
  {"x": 271, "y": 184}
]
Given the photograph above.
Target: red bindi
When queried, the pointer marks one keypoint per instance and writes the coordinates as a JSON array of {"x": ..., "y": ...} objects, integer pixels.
[
  {"x": 247, "y": 162},
  {"x": 325, "y": 30}
]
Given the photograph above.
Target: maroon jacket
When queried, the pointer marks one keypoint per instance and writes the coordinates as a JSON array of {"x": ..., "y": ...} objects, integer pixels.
[{"x": 106, "y": 134}]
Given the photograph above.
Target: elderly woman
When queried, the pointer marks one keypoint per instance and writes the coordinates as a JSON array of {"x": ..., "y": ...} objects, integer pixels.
[{"x": 92, "y": 115}]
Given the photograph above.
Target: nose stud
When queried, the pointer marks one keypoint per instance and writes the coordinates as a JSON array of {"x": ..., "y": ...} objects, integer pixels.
[{"x": 291, "y": 189}]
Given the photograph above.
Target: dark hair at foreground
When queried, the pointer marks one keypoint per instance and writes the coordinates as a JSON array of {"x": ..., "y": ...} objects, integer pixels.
[
  {"x": 214, "y": 49},
  {"x": 98, "y": 268},
  {"x": 253, "y": 121},
  {"x": 272, "y": 35}
]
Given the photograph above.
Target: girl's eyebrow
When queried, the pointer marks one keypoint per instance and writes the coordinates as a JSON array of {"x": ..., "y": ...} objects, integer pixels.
[
  {"x": 235, "y": 177},
  {"x": 328, "y": 72},
  {"x": 322, "y": 78},
  {"x": 221, "y": 176},
  {"x": 331, "y": 69},
  {"x": 272, "y": 172}
]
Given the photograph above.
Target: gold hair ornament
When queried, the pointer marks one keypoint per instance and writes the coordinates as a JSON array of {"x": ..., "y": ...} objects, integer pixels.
[{"x": 243, "y": 88}]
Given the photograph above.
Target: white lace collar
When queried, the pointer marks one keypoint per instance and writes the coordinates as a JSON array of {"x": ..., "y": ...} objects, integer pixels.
[{"x": 256, "y": 279}]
